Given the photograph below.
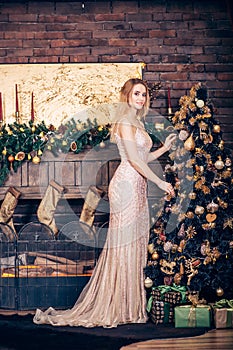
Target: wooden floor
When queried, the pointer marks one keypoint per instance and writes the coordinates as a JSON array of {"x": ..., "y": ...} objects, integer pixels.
[{"x": 217, "y": 339}]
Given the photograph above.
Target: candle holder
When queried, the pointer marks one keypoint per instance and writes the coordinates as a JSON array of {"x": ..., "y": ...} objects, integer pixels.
[
  {"x": 170, "y": 111},
  {"x": 17, "y": 117}
]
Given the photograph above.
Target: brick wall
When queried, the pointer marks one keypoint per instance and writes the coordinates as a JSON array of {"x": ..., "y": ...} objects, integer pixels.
[{"x": 182, "y": 42}]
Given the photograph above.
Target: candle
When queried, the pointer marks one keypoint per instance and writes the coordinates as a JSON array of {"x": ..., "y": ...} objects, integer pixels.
[
  {"x": 16, "y": 104},
  {"x": 1, "y": 115},
  {"x": 169, "y": 101},
  {"x": 32, "y": 108},
  {"x": 16, "y": 99}
]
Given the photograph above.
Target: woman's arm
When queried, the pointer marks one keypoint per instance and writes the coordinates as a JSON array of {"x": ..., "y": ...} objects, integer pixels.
[
  {"x": 166, "y": 146},
  {"x": 127, "y": 133}
]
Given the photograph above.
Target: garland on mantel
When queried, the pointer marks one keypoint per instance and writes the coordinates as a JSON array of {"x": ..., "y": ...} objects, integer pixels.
[{"x": 22, "y": 142}]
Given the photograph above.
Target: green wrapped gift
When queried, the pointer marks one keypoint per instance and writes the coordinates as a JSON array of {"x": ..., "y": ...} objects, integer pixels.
[
  {"x": 193, "y": 316},
  {"x": 223, "y": 318}
]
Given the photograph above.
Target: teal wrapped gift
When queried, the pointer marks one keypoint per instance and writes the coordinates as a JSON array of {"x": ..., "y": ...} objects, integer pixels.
[{"x": 191, "y": 316}]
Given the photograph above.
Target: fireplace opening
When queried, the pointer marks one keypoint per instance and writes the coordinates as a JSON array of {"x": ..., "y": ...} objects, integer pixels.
[{"x": 38, "y": 270}]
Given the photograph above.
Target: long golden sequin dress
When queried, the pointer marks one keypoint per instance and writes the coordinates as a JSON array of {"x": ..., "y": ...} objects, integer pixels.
[{"x": 115, "y": 293}]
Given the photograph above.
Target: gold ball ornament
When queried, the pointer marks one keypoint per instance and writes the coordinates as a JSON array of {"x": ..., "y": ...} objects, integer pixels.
[
  {"x": 148, "y": 283},
  {"x": 200, "y": 103},
  {"x": 219, "y": 164},
  {"x": 216, "y": 128},
  {"x": 33, "y": 128},
  {"x": 228, "y": 161},
  {"x": 190, "y": 215},
  {"x": 199, "y": 210},
  {"x": 155, "y": 256},
  {"x": 219, "y": 291},
  {"x": 183, "y": 135},
  {"x": 11, "y": 158},
  {"x": 36, "y": 160},
  {"x": 102, "y": 144}
]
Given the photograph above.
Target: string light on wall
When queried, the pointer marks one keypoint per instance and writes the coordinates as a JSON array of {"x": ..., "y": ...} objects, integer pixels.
[{"x": 83, "y": 6}]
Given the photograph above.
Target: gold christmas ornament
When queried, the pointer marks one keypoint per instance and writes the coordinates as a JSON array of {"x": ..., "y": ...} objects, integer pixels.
[
  {"x": 199, "y": 210},
  {"x": 11, "y": 158},
  {"x": 202, "y": 125},
  {"x": 222, "y": 204},
  {"x": 221, "y": 145},
  {"x": 20, "y": 156},
  {"x": 102, "y": 144},
  {"x": 228, "y": 223},
  {"x": 36, "y": 160},
  {"x": 190, "y": 215},
  {"x": 151, "y": 248},
  {"x": 192, "y": 121},
  {"x": 183, "y": 135},
  {"x": 4, "y": 151},
  {"x": 219, "y": 164},
  {"x": 211, "y": 217},
  {"x": 148, "y": 283},
  {"x": 205, "y": 189},
  {"x": 155, "y": 256},
  {"x": 174, "y": 248},
  {"x": 228, "y": 162},
  {"x": 189, "y": 144},
  {"x": 219, "y": 292},
  {"x": 216, "y": 128},
  {"x": 73, "y": 146},
  {"x": 33, "y": 128},
  {"x": 208, "y": 226},
  {"x": 212, "y": 207},
  {"x": 200, "y": 103},
  {"x": 192, "y": 195}
]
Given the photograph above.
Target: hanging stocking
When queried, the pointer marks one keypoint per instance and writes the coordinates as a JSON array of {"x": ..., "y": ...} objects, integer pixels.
[
  {"x": 7, "y": 210},
  {"x": 48, "y": 204},
  {"x": 91, "y": 202}
]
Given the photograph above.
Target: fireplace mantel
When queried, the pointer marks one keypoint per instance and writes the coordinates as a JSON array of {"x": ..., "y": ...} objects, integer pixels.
[{"x": 76, "y": 172}]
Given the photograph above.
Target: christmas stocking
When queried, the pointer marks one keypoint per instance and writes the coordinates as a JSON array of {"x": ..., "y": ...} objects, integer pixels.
[
  {"x": 91, "y": 202},
  {"x": 48, "y": 204},
  {"x": 7, "y": 210}
]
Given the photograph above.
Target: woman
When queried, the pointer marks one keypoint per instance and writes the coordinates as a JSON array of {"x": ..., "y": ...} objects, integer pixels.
[{"x": 115, "y": 293}]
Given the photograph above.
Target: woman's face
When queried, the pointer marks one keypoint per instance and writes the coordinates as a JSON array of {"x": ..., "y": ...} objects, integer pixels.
[{"x": 137, "y": 98}]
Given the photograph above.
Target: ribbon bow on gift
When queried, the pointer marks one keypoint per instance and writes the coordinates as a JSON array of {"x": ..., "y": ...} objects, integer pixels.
[
  {"x": 224, "y": 303},
  {"x": 164, "y": 289}
]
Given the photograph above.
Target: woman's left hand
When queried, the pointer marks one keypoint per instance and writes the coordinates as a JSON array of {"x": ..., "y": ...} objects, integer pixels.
[{"x": 169, "y": 141}]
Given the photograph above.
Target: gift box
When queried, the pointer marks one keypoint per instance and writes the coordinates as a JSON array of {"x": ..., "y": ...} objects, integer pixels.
[
  {"x": 161, "y": 312},
  {"x": 223, "y": 313},
  {"x": 193, "y": 316},
  {"x": 223, "y": 318},
  {"x": 170, "y": 294}
]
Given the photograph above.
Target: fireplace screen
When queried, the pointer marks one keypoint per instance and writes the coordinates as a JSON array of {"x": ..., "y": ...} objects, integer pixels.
[{"x": 38, "y": 270}]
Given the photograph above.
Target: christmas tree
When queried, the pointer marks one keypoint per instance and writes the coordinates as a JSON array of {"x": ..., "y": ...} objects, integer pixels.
[{"x": 191, "y": 237}]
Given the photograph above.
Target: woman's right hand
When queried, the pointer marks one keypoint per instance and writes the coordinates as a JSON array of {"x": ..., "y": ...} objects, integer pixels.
[{"x": 166, "y": 187}]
